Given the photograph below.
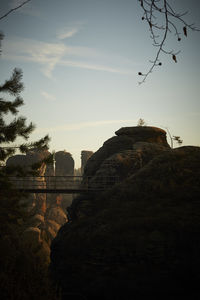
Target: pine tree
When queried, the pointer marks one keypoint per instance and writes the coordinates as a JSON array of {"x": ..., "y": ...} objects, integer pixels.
[
  {"x": 11, "y": 209},
  {"x": 19, "y": 264},
  {"x": 10, "y": 132}
]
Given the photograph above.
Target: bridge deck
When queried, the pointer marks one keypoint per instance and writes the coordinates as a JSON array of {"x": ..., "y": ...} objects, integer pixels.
[
  {"x": 58, "y": 191},
  {"x": 60, "y": 184}
]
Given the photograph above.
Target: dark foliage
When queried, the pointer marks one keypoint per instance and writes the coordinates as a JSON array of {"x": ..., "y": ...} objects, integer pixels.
[{"x": 18, "y": 127}]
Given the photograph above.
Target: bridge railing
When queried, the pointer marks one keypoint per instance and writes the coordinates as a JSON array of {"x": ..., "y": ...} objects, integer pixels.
[
  {"x": 47, "y": 182},
  {"x": 61, "y": 183}
]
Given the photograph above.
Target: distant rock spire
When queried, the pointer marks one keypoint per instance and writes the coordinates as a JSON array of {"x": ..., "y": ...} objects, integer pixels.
[{"x": 85, "y": 155}]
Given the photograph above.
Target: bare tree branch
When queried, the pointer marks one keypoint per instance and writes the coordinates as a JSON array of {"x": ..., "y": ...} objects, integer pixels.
[
  {"x": 162, "y": 10},
  {"x": 13, "y": 9}
]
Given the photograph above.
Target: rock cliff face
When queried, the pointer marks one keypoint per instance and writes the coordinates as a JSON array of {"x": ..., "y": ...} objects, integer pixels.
[
  {"x": 126, "y": 139},
  {"x": 142, "y": 236},
  {"x": 46, "y": 212},
  {"x": 85, "y": 155},
  {"x": 64, "y": 163},
  {"x": 121, "y": 156},
  {"x": 64, "y": 166},
  {"x": 36, "y": 202},
  {"x": 144, "y": 134}
]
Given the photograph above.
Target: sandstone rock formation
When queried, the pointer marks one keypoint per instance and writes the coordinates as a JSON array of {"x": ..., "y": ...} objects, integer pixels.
[
  {"x": 141, "y": 238},
  {"x": 144, "y": 134},
  {"x": 64, "y": 163},
  {"x": 46, "y": 212},
  {"x": 64, "y": 166},
  {"x": 34, "y": 201},
  {"x": 85, "y": 155},
  {"x": 122, "y": 156},
  {"x": 125, "y": 140}
]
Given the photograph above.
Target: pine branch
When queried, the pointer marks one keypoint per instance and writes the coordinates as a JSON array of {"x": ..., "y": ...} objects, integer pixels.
[
  {"x": 13, "y": 86},
  {"x": 42, "y": 144},
  {"x": 6, "y": 152},
  {"x": 10, "y": 106},
  {"x": 16, "y": 128}
]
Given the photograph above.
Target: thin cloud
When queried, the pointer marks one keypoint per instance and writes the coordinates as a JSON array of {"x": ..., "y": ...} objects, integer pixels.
[
  {"x": 83, "y": 65},
  {"x": 49, "y": 55},
  {"x": 67, "y": 33},
  {"x": 48, "y": 96},
  {"x": 69, "y": 30},
  {"x": 82, "y": 125}
]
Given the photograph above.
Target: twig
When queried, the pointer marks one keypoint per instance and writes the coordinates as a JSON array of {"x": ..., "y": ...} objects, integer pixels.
[
  {"x": 13, "y": 9},
  {"x": 169, "y": 16}
]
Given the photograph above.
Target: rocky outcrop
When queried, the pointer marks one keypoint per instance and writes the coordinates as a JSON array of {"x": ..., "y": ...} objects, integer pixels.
[
  {"x": 121, "y": 165},
  {"x": 64, "y": 163},
  {"x": 141, "y": 237},
  {"x": 120, "y": 157},
  {"x": 144, "y": 134},
  {"x": 64, "y": 166},
  {"x": 36, "y": 202},
  {"x": 85, "y": 155},
  {"x": 28, "y": 160},
  {"x": 125, "y": 139},
  {"x": 46, "y": 212}
]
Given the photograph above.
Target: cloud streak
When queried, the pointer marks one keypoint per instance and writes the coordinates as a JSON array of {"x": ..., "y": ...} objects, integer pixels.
[
  {"x": 95, "y": 67},
  {"x": 48, "y": 96},
  {"x": 67, "y": 33},
  {"x": 47, "y": 55},
  {"x": 82, "y": 125},
  {"x": 50, "y": 55},
  {"x": 70, "y": 30}
]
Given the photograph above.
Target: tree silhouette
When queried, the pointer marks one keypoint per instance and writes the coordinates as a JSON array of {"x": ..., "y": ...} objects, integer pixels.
[
  {"x": 177, "y": 139},
  {"x": 16, "y": 128},
  {"x": 9, "y": 132}
]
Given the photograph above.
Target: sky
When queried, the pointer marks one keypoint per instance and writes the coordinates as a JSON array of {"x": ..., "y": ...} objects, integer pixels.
[{"x": 80, "y": 62}]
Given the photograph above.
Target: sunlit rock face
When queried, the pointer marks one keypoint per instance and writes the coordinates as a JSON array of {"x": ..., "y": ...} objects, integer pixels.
[
  {"x": 122, "y": 156},
  {"x": 46, "y": 212},
  {"x": 144, "y": 134},
  {"x": 34, "y": 201},
  {"x": 55, "y": 217},
  {"x": 126, "y": 139},
  {"x": 64, "y": 167}
]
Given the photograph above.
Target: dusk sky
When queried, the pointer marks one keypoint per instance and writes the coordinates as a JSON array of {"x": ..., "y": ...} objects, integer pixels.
[{"x": 80, "y": 62}]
